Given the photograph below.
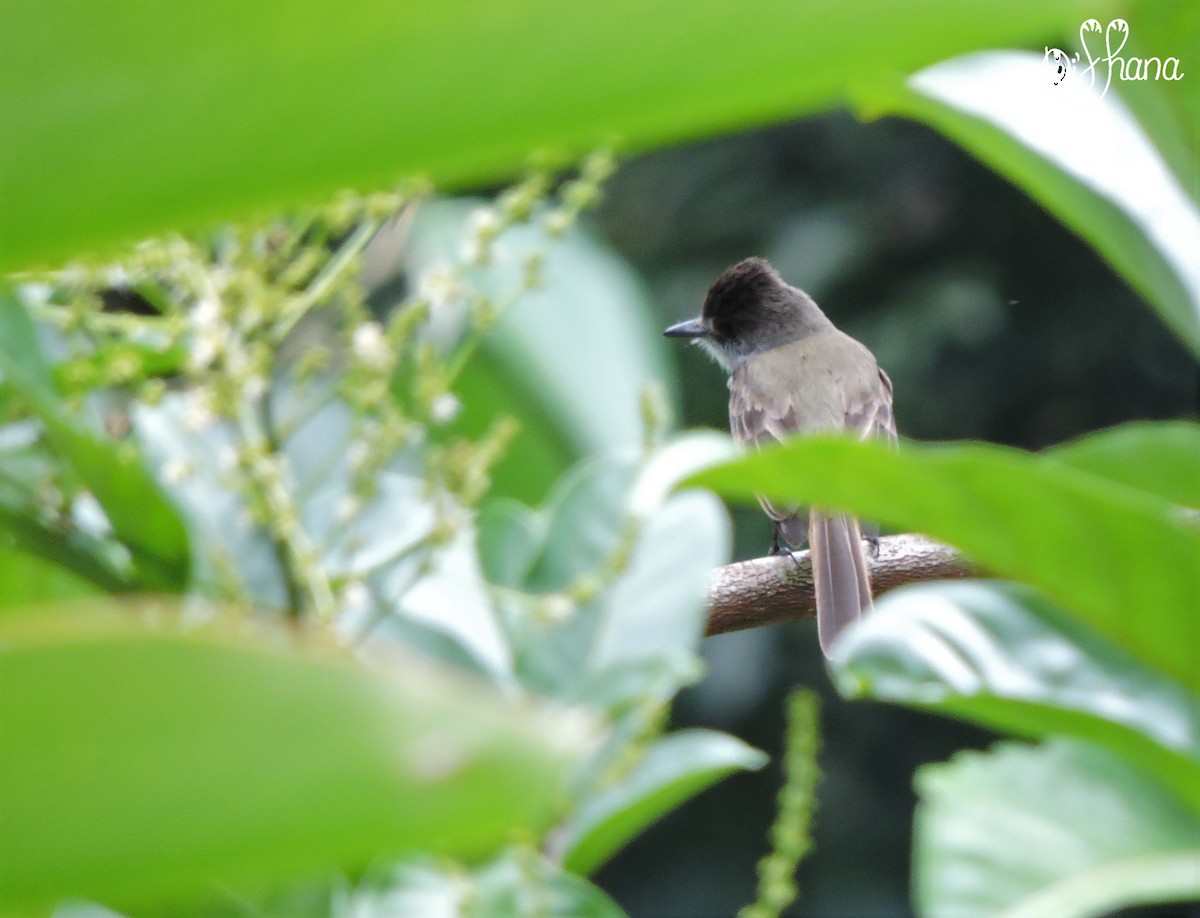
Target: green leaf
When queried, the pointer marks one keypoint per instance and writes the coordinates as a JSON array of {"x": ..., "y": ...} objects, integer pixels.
[
  {"x": 1083, "y": 157},
  {"x": 510, "y": 537},
  {"x": 1000, "y": 655},
  {"x": 1125, "y": 561},
  {"x": 225, "y": 550},
  {"x": 540, "y": 451},
  {"x": 1168, "y": 110},
  {"x": 674, "y": 769},
  {"x": 27, "y": 578},
  {"x": 222, "y": 109},
  {"x": 386, "y": 545},
  {"x": 656, "y": 608},
  {"x": 1066, "y": 829},
  {"x": 140, "y": 514},
  {"x": 588, "y": 512},
  {"x": 144, "y": 759},
  {"x": 639, "y": 568},
  {"x": 77, "y": 909},
  {"x": 19, "y": 340},
  {"x": 524, "y": 884},
  {"x": 519, "y": 882},
  {"x": 1160, "y": 458},
  {"x": 587, "y": 322},
  {"x": 76, "y": 554}
]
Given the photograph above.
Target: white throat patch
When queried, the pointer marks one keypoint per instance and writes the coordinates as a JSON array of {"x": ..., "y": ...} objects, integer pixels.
[{"x": 727, "y": 360}]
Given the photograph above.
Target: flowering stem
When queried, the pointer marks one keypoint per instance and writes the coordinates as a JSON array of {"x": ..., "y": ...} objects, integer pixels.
[{"x": 297, "y": 307}]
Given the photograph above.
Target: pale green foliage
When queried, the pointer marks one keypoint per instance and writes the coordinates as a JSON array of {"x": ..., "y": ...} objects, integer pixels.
[{"x": 300, "y": 436}]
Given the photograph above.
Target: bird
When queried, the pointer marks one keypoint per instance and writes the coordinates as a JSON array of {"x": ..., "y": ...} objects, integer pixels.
[{"x": 793, "y": 373}]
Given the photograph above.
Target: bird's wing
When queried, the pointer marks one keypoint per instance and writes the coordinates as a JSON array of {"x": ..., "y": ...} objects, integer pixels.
[
  {"x": 868, "y": 409},
  {"x": 770, "y": 400},
  {"x": 828, "y": 382}
]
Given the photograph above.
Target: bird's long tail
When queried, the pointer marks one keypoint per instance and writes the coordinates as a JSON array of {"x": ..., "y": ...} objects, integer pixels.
[{"x": 840, "y": 577}]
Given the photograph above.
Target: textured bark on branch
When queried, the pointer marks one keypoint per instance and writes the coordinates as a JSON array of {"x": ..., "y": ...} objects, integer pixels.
[{"x": 764, "y": 591}]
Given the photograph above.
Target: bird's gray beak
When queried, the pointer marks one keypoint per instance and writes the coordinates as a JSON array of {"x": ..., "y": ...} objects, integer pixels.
[{"x": 692, "y": 328}]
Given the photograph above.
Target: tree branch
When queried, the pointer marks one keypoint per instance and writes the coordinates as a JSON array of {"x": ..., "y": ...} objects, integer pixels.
[{"x": 764, "y": 591}]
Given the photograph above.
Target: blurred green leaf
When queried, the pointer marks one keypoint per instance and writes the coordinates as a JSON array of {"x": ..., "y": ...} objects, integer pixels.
[
  {"x": 674, "y": 462},
  {"x": 1168, "y": 110},
  {"x": 520, "y": 882},
  {"x": 73, "y": 908},
  {"x": 1083, "y": 157},
  {"x": 451, "y": 597},
  {"x": 524, "y": 884},
  {"x": 539, "y": 452},
  {"x": 222, "y": 109},
  {"x": 1000, "y": 655},
  {"x": 588, "y": 512},
  {"x": 586, "y": 326},
  {"x": 74, "y": 553},
  {"x": 674, "y": 769},
  {"x": 1160, "y": 458},
  {"x": 19, "y": 341},
  {"x": 643, "y": 576},
  {"x": 1066, "y": 829},
  {"x": 655, "y": 610},
  {"x": 144, "y": 759},
  {"x": 30, "y": 578},
  {"x": 226, "y": 549},
  {"x": 1124, "y": 560},
  {"x": 510, "y": 538},
  {"x": 386, "y": 546},
  {"x": 140, "y": 514}
]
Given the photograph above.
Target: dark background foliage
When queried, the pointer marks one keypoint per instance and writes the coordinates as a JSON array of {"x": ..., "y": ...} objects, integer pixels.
[{"x": 994, "y": 322}]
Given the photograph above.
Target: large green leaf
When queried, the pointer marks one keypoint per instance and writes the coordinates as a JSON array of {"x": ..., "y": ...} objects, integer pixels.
[
  {"x": 1063, "y": 830},
  {"x": 124, "y": 120},
  {"x": 1159, "y": 458},
  {"x": 1084, "y": 157},
  {"x": 1000, "y": 655},
  {"x": 145, "y": 759},
  {"x": 674, "y": 769},
  {"x": 1125, "y": 560}
]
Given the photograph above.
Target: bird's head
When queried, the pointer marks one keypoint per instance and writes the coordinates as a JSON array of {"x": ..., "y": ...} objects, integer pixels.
[{"x": 750, "y": 309}]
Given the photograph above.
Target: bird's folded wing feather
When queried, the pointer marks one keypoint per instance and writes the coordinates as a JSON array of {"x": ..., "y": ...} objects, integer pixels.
[{"x": 824, "y": 384}]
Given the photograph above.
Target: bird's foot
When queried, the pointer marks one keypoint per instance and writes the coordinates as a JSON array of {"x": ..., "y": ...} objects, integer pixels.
[
  {"x": 776, "y": 548},
  {"x": 780, "y": 548}
]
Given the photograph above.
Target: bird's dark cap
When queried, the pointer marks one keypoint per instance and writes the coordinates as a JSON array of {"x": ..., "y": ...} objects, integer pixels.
[
  {"x": 746, "y": 299},
  {"x": 741, "y": 288}
]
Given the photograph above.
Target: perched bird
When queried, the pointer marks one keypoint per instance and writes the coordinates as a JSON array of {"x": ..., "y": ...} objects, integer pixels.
[{"x": 792, "y": 372}]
